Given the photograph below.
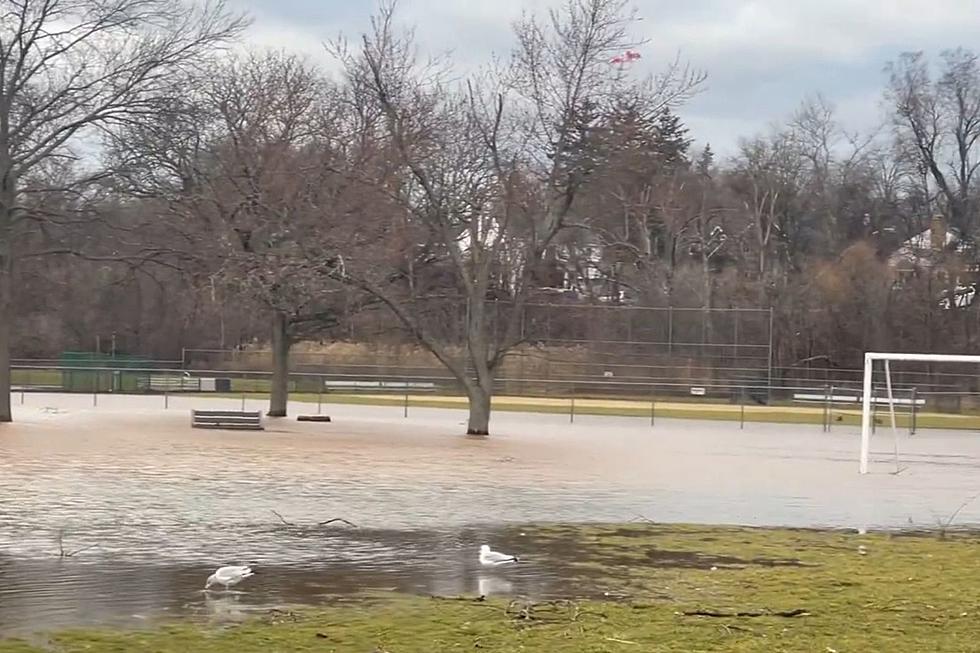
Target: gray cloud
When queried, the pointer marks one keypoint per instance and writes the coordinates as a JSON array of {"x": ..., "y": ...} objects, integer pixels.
[{"x": 762, "y": 56}]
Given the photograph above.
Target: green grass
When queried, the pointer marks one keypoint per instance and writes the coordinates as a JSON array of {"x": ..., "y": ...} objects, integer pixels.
[
  {"x": 36, "y": 377},
  {"x": 907, "y": 594},
  {"x": 667, "y": 408}
]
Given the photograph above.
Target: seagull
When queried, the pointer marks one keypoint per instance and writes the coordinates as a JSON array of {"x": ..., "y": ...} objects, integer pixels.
[
  {"x": 490, "y": 558},
  {"x": 228, "y": 576}
]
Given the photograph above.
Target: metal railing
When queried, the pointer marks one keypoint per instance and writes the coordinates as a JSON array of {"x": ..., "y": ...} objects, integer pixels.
[
  {"x": 635, "y": 366},
  {"x": 628, "y": 395}
]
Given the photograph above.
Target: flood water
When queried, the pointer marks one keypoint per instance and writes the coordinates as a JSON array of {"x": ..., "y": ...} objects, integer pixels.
[
  {"x": 146, "y": 508},
  {"x": 96, "y": 589}
]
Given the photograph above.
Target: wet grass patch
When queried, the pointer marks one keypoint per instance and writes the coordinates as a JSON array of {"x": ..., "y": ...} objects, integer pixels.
[{"x": 642, "y": 587}]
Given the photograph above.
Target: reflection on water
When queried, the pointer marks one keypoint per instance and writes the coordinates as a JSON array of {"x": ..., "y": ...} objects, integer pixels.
[{"x": 487, "y": 585}]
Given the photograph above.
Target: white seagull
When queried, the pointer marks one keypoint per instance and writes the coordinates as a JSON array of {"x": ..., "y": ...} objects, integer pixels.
[
  {"x": 229, "y": 576},
  {"x": 490, "y": 558}
]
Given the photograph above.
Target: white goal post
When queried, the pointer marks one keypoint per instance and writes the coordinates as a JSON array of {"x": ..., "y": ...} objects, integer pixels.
[{"x": 866, "y": 395}]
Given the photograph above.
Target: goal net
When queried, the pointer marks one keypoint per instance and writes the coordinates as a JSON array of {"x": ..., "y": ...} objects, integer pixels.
[{"x": 869, "y": 398}]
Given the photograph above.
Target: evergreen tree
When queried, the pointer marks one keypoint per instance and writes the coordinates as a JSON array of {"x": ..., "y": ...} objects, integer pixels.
[
  {"x": 672, "y": 141},
  {"x": 579, "y": 150},
  {"x": 706, "y": 162}
]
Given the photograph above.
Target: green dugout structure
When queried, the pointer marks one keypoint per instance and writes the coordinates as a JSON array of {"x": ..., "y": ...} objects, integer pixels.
[{"x": 119, "y": 373}]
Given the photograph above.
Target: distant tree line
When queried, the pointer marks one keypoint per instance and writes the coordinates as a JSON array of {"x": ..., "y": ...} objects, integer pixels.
[{"x": 155, "y": 185}]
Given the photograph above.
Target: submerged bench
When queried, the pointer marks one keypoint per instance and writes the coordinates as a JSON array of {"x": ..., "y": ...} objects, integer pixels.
[
  {"x": 350, "y": 385},
  {"x": 236, "y": 420},
  {"x": 854, "y": 399},
  {"x": 313, "y": 418}
]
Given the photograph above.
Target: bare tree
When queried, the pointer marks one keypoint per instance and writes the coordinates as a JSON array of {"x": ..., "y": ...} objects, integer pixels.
[
  {"x": 251, "y": 166},
  {"x": 759, "y": 179},
  {"x": 491, "y": 169},
  {"x": 455, "y": 200},
  {"x": 452, "y": 191},
  {"x": 68, "y": 69},
  {"x": 262, "y": 191},
  {"x": 940, "y": 120}
]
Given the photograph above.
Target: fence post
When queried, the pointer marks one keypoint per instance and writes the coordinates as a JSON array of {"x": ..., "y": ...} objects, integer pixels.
[
  {"x": 653, "y": 406},
  {"x": 406, "y": 398},
  {"x": 874, "y": 412},
  {"x": 826, "y": 407},
  {"x": 770, "y": 357},
  {"x": 166, "y": 398},
  {"x": 742, "y": 402},
  {"x": 243, "y": 400},
  {"x": 915, "y": 409},
  {"x": 571, "y": 411},
  {"x": 830, "y": 415},
  {"x": 735, "y": 344},
  {"x": 520, "y": 364},
  {"x": 319, "y": 395}
]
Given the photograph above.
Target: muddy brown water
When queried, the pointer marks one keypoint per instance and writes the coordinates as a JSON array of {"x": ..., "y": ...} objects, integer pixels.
[{"x": 152, "y": 506}]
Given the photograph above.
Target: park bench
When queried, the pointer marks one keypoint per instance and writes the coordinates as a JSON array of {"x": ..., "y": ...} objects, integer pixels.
[
  {"x": 379, "y": 386},
  {"x": 817, "y": 398},
  {"x": 170, "y": 383},
  {"x": 851, "y": 402},
  {"x": 236, "y": 420}
]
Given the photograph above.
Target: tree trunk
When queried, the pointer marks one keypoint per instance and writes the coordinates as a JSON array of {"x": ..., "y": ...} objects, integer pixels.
[
  {"x": 5, "y": 319},
  {"x": 479, "y": 422},
  {"x": 6, "y": 306},
  {"x": 707, "y": 333},
  {"x": 479, "y": 389},
  {"x": 279, "y": 396}
]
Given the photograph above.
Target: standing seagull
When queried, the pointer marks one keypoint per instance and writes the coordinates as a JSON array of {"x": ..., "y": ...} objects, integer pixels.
[
  {"x": 490, "y": 558},
  {"x": 228, "y": 576}
]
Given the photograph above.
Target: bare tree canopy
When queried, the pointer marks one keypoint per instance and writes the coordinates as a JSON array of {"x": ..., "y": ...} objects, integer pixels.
[
  {"x": 492, "y": 168},
  {"x": 938, "y": 118},
  {"x": 70, "y": 69},
  {"x": 470, "y": 217}
]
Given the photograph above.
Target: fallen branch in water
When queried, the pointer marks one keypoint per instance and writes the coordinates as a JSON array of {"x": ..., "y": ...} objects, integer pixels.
[
  {"x": 286, "y": 522},
  {"x": 68, "y": 554},
  {"x": 337, "y": 519},
  {"x": 799, "y": 612},
  {"x": 944, "y": 527}
]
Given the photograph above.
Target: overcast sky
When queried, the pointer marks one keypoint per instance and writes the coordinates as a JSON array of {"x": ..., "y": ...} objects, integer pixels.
[{"x": 762, "y": 57}]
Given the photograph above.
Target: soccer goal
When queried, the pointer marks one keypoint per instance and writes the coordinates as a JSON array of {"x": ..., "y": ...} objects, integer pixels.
[{"x": 867, "y": 395}]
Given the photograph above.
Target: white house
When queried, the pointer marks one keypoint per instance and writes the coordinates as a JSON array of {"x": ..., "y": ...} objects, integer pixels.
[{"x": 929, "y": 249}]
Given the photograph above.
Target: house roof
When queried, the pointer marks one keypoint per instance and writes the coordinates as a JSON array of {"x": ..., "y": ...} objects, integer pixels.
[{"x": 918, "y": 249}]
